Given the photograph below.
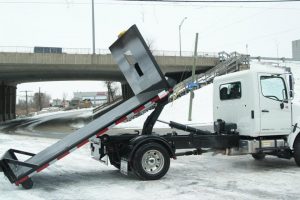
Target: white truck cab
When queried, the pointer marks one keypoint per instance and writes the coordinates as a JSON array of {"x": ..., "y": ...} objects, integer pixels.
[{"x": 260, "y": 103}]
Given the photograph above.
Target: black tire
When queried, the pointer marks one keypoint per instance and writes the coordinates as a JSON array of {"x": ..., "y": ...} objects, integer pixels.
[
  {"x": 297, "y": 151},
  {"x": 28, "y": 184},
  {"x": 151, "y": 161},
  {"x": 259, "y": 156}
]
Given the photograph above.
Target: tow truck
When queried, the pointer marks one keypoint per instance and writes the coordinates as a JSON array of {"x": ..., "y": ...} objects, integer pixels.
[{"x": 256, "y": 105}]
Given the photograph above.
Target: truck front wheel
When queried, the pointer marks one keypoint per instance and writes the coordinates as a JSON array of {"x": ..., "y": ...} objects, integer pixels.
[
  {"x": 151, "y": 161},
  {"x": 297, "y": 151}
]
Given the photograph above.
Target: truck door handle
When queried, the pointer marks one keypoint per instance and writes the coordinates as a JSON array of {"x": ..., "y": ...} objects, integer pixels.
[{"x": 266, "y": 111}]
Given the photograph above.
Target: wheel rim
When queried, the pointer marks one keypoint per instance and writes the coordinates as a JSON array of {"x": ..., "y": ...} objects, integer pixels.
[{"x": 153, "y": 161}]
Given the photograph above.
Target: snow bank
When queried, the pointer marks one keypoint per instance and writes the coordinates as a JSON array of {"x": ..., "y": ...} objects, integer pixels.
[{"x": 87, "y": 113}]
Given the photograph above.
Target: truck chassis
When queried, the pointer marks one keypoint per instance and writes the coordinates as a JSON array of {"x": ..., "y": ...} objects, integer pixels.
[{"x": 148, "y": 154}]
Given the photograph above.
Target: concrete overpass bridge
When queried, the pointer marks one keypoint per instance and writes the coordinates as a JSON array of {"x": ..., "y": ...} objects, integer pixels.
[{"x": 21, "y": 67}]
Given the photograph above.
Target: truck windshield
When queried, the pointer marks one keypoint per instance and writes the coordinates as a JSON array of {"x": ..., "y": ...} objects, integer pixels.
[{"x": 273, "y": 87}]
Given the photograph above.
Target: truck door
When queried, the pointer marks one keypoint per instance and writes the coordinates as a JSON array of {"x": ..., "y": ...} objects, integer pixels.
[{"x": 275, "y": 108}]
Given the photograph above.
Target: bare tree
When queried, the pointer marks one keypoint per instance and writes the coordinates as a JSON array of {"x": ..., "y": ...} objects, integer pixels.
[
  {"x": 41, "y": 100},
  {"x": 150, "y": 44},
  {"x": 65, "y": 95},
  {"x": 111, "y": 91}
]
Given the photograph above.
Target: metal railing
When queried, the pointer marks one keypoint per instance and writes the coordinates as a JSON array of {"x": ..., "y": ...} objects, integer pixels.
[
  {"x": 183, "y": 53},
  {"x": 99, "y": 108},
  {"x": 231, "y": 63},
  {"x": 27, "y": 49}
]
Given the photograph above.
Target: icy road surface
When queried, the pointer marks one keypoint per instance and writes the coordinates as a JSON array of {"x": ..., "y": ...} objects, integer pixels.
[{"x": 194, "y": 177}]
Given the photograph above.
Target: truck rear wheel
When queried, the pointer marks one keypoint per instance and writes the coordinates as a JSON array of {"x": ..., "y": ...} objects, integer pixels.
[
  {"x": 259, "y": 156},
  {"x": 151, "y": 161},
  {"x": 297, "y": 151}
]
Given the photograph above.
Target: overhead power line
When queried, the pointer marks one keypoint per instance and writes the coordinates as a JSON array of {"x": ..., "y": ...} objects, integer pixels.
[
  {"x": 152, "y": 1},
  {"x": 206, "y": 3},
  {"x": 257, "y": 38},
  {"x": 217, "y": 1}
]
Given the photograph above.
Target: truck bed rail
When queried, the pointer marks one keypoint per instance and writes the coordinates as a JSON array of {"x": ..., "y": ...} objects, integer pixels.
[{"x": 148, "y": 84}]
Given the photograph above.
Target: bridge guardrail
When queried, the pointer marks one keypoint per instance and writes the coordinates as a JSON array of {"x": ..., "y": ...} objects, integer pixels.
[{"x": 27, "y": 49}]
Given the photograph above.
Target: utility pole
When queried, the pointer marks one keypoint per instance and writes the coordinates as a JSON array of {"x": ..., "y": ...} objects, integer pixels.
[
  {"x": 110, "y": 93},
  {"x": 26, "y": 96},
  {"x": 40, "y": 99},
  {"x": 193, "y": 79},
  {"x": 93, "y": 27}
]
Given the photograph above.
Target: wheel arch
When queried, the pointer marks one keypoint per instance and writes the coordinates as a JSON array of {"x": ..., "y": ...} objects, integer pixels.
[
  {"x": 292, "y": 138},
  {"x": 138, "y": 141},
  {"x": 297, "y": 137}
]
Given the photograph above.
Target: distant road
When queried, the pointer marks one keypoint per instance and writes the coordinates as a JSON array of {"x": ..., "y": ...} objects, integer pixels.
[{"x": 52, "y": 125}]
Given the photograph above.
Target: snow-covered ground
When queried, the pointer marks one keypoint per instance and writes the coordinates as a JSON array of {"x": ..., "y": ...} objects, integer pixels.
[
  {"x": 193, "y": 177},
  {"x": 53, "y": 124}
]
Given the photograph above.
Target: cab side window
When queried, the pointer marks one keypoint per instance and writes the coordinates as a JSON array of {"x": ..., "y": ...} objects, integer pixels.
[
  {"x": 231, "y": 91},
  {"x": 273, "y": 87}
]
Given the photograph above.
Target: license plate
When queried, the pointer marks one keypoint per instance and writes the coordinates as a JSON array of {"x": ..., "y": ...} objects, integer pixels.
[{"x": 124, "y": 167}]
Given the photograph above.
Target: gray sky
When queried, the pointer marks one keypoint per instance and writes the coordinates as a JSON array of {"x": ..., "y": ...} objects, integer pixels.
[{"x": 265, "y": 27}]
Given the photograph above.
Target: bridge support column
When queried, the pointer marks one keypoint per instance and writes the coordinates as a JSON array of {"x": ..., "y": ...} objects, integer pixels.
[
  {"x": 14, "y": 102},
  {"x": 126, "y": 91},
  {"x": 2, "y": 103},
  {"x": 7, "y": 102},
  {"x": 12, "y": 90}
]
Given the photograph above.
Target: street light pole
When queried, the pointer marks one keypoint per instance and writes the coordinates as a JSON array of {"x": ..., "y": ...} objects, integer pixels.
[
  {"x": 180, "y": 34},
  {"x": 93, "y": 27}
]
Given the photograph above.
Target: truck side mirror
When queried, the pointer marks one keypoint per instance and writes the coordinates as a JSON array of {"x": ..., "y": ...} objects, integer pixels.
[
  {"x": 291, "y": 83},
  {"x": 291, "y": 94}
]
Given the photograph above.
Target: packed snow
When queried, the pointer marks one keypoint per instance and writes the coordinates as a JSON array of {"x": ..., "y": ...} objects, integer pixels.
[{"x": 78, "y": 176}]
